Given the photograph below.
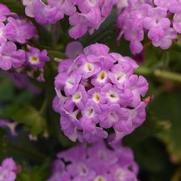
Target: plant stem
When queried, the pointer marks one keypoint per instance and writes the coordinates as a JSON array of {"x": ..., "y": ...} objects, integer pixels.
[
  {"x": 55, "y": 53},
  {"x": 43, "y": 107},
  {"x": 163, "y": 74}
]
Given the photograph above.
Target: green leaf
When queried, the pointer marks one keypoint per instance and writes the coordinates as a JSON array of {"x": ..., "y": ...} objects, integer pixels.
[
  {"x": 153, "y": 161},
  {"x": 6, "y": 90},
  {"x": 37, "y": 173},
  {"x": 20, "y": 148},
  {"x": 166, "y": 107},
  {"x": 28, "y": 116}
]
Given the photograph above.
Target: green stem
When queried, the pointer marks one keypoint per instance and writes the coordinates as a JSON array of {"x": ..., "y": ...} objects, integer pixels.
[
  {"x": 56, "y": 54},
  {"x": 43, "y": 107},
  {"x": 163, "y": 74}
]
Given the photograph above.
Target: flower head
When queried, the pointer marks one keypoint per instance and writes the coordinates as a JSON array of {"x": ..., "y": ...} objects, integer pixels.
[
  {"x": 84, "y": 15},
  {"x": 152, "y": 18},
  {"x": 15, "y": 33},
  {"x": 95, "y": 163},
  {"x": 97, "y": 91}
]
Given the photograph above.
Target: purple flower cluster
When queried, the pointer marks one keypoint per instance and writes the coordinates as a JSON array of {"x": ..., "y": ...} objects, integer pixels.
[
  {"x": 160, "y": 19},
  {"x": 97, "y": 91},
  {"x": 8, "y": 170},
  {"x": 84, "y": 15},
  {"x": 95, "y": 163},
  {"x": 15, "y": 32}
]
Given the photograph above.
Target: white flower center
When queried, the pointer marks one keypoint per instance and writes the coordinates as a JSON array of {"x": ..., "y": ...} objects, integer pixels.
[
  {"x": 112, "y": 96},
  {"x": 77, "y": 97},
  {"x": 119, "y": 76},
  {"x": 1, "y": 32},
  {"x": 88, "y": 67},
  {"x": 99, "y": 178},
  {"x": 92, "y": 2},
  {"x": 27, "y": 2},
  {"x": 83, "y": 170},
  {"x": 69, "y": 83},
  {"x": 34, "y": 60},
  {"x": 96, "y": 97},
  {"x": 113, "y": 117},
  {"x": 122, "y": 3},
  {"x": 120, "y": 174},
  {"x": 102, "y": 76},
  {"x": 90, "y": 112}
]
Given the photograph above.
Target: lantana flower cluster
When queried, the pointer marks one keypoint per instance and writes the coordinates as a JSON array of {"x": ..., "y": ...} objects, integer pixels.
[
  {"x": 8, "y": 170},
  {"x": 84, "y": 15},
  {"x": 15, "y": 32},
  {"x": 98, "y": 91},
  {"x": 160, "y": 19},
  {"x": 95, "y": 163}
]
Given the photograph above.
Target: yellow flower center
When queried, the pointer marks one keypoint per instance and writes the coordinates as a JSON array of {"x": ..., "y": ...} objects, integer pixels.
[
  {"x": 102, "y": 77},
  {"x": 112, "y": 96},
  {"x": 88, "y": 67},
  {"x": 76, "y": 97},
  {"x": 34, "y": 60},
  {"x": 96, "y": 97},
  {"x": 99, "y": 178}
]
